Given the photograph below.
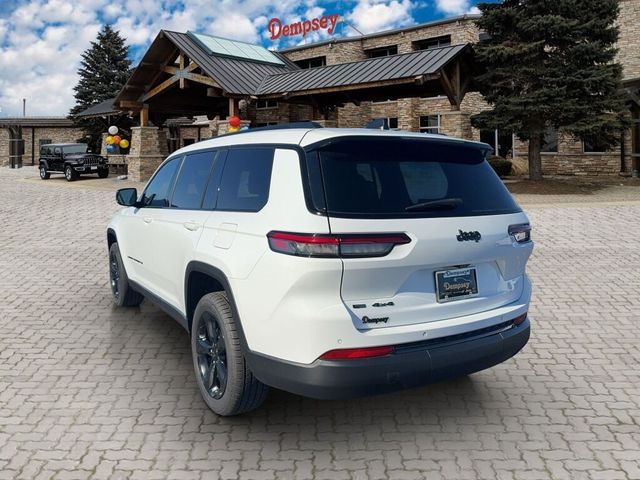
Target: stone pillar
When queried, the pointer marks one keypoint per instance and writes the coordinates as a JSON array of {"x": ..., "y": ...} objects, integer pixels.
[
  {"x": 456, "y": 124},
  {"x": 103, "y": 145},
  {"x": 148, "y": 150},
  {"x": 408, "y": 119}
]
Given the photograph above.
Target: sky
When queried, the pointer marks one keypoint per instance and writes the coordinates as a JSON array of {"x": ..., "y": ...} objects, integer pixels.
[{"x": 41, "y": 41}]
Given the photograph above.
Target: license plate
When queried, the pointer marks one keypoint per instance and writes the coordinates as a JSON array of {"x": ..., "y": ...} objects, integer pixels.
[{"x": 456, "y": 284}]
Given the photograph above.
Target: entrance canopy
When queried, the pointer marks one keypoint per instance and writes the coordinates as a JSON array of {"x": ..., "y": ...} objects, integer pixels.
[{"x": 195, "y": 74}]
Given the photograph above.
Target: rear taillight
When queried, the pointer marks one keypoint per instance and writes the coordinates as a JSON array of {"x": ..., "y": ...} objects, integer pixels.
[
  {"x": 353, "y": 353},
  {"x": 520, "y": 233},
  {"x": 335, "y": 246}
]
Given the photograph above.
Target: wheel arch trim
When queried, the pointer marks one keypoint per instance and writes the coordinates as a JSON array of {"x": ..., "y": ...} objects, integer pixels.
[{"x": 219, "y": 276}]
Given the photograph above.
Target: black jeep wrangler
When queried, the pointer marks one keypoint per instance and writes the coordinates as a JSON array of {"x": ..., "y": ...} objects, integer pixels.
[{"x": 72, "y": 159}]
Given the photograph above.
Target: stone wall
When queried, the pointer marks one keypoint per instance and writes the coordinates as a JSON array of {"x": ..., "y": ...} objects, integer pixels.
[
  {"x": 4, "y": 147},
  {"x": 351, "y": 50}
]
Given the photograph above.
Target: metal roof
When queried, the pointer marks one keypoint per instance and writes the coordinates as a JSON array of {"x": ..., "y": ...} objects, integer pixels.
[
  {"x": 235, "y": 75},
  {"x": 104, "y": 108},
  {"x": 393, "y": 67},
  {"x": 36, "y": 122},
  {"x": 384, "y": 33}
]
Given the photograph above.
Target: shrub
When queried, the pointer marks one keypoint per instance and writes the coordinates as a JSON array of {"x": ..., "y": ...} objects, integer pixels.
[{"x": 501, "y": 166}]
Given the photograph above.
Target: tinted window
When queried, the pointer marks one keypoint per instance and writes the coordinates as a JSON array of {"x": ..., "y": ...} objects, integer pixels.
[
  {"x": 245, "y": 180},
  {"x": 157, "y": 192},
  {"x": 382, "y": 177},
  {"x": 192, "y": 180}
]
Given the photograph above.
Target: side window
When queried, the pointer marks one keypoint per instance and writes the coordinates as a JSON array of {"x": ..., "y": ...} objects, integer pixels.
[
  {"x": 245, "y": 180},
  {"x": 192, "y": 180},
  {"x": 159, "y": 188}
]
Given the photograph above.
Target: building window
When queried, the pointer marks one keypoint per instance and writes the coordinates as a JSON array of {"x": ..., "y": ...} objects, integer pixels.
[
  {"x": 382, "y": 51},
  {"x": 392, "y": 122},
  {"x": 594, "y": 145},
  {"x": 314, "y": 62},
  {"x": 430, "y": 124},
  {"x": 188, "y": 141},
  {"x": 264, "y": 124},
  {"x": 550, "y": 141},
  {"x": 264, "y": 104},
  {"x": 434, "y": 42},
  {"x": 386, "y": 100},
  {"x": 500, "y": 141}
]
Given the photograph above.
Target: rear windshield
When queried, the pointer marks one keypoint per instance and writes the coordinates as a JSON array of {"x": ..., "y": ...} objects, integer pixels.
[{"x": 400, "y": 177}]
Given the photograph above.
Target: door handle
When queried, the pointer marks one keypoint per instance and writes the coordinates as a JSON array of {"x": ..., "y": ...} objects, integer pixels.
[
  {"x": 191, "y": 226},
  {"x": 147, "y": 219}
]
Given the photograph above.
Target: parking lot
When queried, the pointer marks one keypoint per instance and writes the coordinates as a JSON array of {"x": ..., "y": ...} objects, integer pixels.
[{"x": 88, "y": 391}]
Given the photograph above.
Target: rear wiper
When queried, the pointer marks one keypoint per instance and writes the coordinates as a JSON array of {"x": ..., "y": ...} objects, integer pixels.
[{"x": 444, "y": 203}]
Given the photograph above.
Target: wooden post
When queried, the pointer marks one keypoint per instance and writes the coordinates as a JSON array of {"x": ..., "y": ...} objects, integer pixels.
[
  {"x": 144, "y": 116},
  {"x": 233, "y": 107}
]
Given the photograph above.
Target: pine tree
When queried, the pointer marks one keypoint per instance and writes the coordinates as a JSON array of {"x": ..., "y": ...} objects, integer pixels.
[
  {"x": 551, "y": 64},
  {"x": 104, "y": 69}
]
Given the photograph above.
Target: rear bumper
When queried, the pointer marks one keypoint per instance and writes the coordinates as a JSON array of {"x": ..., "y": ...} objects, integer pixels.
[{"x": 412, "y": 365}]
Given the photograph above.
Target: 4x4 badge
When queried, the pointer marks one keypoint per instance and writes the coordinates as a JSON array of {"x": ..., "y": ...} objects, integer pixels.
[{"x": 468, "y": 236}]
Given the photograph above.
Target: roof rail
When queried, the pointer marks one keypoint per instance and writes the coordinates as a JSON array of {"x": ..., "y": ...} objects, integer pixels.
[{"x": 284, "y": 126}]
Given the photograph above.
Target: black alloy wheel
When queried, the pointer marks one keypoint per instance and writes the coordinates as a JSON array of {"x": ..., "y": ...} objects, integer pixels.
[{"x": 212, "y": 356}]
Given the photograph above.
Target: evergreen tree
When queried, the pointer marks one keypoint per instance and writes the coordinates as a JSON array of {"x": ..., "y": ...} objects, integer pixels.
[
  {"x": 104, "y": 69},
  {"x": 551, "y": 64}
]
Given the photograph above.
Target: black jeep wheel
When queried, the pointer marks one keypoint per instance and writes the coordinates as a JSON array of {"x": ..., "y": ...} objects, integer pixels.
[
  {"x": 122, "y": 293},
  {"x": 227, "y": 385},
  {"x": 103, "y": 172},
  {"x": 44, "y": 175},
  {"x": 70, "y": 174}
]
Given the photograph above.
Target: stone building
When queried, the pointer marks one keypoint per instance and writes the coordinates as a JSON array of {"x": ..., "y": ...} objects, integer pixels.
[
  {"x": 21, "y": 137},
  {"x": 419, "y": 78}
]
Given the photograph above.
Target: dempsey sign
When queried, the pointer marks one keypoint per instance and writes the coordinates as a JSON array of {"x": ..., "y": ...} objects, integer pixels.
[{"x": 326, "y": 22}]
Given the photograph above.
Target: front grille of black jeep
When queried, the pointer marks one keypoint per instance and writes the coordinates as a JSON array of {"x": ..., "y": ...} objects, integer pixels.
[{"x": 91, "y": 160}]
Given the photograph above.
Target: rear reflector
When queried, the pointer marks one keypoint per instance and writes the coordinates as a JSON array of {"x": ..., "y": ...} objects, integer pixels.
[
  {"x": 353, "y": 353},
  {"x": 335, "y": 246},
  {"x": 519, "y": 320}
]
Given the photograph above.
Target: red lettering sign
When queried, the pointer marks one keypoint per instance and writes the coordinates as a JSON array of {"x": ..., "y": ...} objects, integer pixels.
[{"x": 327, "y": 22}]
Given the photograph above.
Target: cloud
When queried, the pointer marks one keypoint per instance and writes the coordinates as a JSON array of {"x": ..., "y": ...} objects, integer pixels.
[
  {"x": 375, "y": 15},
  {"x": 41, "y": 41},
  {"x": 456, "y": 7}
]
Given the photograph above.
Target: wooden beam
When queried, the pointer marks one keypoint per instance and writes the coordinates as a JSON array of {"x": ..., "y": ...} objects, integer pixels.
[
  {"x": 144, "y": 116},
  {"x": 233, "y": 107},
  {"x": 131, "y": 104},
  {"x": 159, "y": 88},
  {"x": 196, "y": 77},
  {"x": 181, "y": 62},
  {"x": 449, "y": 89}
]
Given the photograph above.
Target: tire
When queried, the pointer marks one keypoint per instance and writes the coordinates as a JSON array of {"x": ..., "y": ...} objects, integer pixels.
[
  {"x": 70, "y": 174},
  {"x": 44, "y": 175},
  {"x": 103, "y": 172},
  {"x": 214, "y": 344},
  {"x": 122, "y": 293}
]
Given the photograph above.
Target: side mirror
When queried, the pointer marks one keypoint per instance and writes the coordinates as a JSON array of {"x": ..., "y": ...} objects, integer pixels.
[{"x": 127, "y": 197}]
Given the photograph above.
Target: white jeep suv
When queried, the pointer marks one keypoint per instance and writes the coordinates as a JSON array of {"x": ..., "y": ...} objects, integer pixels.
[{"x": 330, "y": 263}]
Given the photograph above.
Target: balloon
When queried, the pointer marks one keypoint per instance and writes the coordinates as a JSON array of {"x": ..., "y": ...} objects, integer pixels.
[
  {"x": 111, "y": 149},
  {"x": 109, "y": 140},
  {"x": 117, "y": 139},
  {"x": 113, "y": 130},
  {"x": 234, "y": 129},
  {"x": 124, "y": 143},
  {"x": 234, "y": 121}
]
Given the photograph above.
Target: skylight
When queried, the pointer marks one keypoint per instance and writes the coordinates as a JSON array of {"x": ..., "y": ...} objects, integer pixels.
[{"x": 234, "y": 48}]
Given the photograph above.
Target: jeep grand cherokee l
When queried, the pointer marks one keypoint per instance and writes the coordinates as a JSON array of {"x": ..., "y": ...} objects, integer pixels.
[{"x": 330, "y": 263}]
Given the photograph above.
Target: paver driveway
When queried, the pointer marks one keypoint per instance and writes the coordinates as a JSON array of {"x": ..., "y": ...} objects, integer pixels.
[{"x": 88, "y": 391}]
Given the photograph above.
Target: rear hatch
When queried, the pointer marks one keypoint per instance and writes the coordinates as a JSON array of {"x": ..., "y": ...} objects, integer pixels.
[{"x": 447, "y": 200}]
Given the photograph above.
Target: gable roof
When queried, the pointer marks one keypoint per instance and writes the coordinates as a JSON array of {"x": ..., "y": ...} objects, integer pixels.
[{"x": 393, "y": 67}]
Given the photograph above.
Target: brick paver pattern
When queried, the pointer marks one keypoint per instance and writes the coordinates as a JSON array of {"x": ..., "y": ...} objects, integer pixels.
[{"x": 91, "y": 391}]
